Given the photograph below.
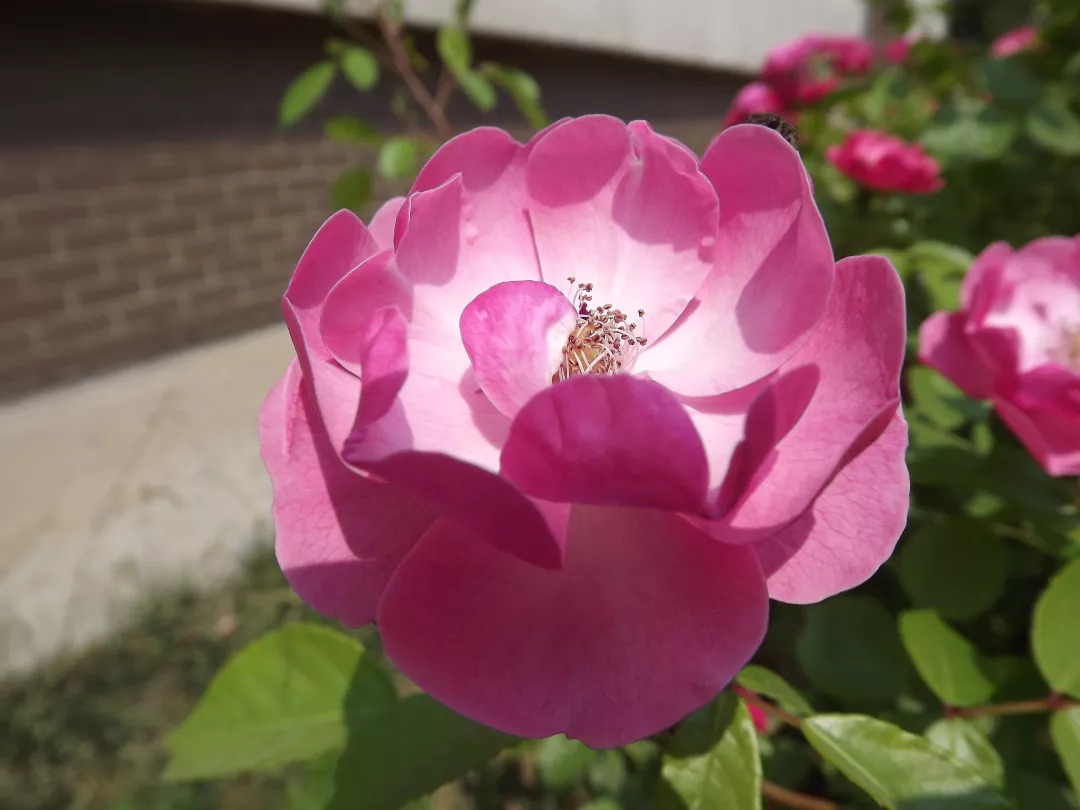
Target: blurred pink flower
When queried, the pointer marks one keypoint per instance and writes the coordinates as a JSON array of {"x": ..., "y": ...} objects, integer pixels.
[
  {"x": 566, "y": 515},
  {"x": 808, "y": 68},
  {"x": 898, "y": 50},
  {"x": 1016, "y": 342},
  {"x": 1015, "y": 41},
  {"x": 756, "y": 97},
  {"x": 757, "y": 714},
  {"x": 885, "y": 162}
]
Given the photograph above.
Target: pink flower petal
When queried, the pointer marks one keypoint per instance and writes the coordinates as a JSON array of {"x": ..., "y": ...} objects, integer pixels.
[
  {"x": 943, "y": 345},
  {"x": 851, "y": 529},
  {"x": 463, "y": 228},
  {"x": 771, "y": 280},
  {"x": 341, "y": 244},
  {"x": 1051, "y": 436},
  {"x": 364, "y": 329},
  {"x": 610, "y": 440},
  {"x": 646, "y": 622},
  {"x": 625, "y": 209},
  {"x": 382, "y": 223},
  {"x": 515, "y": 333},
  {"x": 857, "y": 362},
  {"x": 339, "y": 536}
]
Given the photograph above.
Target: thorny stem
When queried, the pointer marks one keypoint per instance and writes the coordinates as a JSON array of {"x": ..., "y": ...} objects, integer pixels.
[
  {"x": 799, "y": 801},
  {"x": 391, "y": 32}
]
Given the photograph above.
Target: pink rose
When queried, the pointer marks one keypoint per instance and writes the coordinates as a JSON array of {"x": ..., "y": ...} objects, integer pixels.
[
  {"x": 808, "y": 68},
  {"x": 1015, "y": 41},
  {"x": 756, "y": 97},
  {"x": 886, "y": 163},
  {"x": 1017, "y": 342},
  {"x": 898, "y": 50},
  {"x": 564, "y": 515}
]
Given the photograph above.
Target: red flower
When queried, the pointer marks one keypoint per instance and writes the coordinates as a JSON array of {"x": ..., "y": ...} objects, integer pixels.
[{"x": 887, "y": 163}]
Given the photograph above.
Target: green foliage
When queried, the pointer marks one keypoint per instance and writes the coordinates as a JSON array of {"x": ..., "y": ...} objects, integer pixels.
[
  {"x": 399, "y": 157},
  {"x": 279, "y": 700},
  {"x": 305, "y": 91},
  {"x": 850, "y": 649},
  {"x": 563, "y": 762},
  {"x": 1065, "y": 732},
  {"x": 768, "y": 683},
  {"x": 406, "y": 752},
  {"x": 948, "y": 663},
  {"x": 1054, "y": 126},
  {"x": 962, "y": 740},
  {"x": 351, "y": 190},
  {"x": 902, "y": 771},
  {"x": 359, "y": 66},
  {"x": 956, "y": 567},
  {"x": 1054, "y": 634},
  {"x": 712, "y": 760},
  {"x": 523, "y": 89}
]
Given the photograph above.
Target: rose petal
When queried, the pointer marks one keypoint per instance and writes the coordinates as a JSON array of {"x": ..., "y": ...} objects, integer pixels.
[
  {"x": 514, "y": 334},
  {"x": 647, "y": 621},
  {"x": 611, "y": 440},
  {"x": 943, "y": 345},
  {"x": 383, "y": 221},
  {"x": 858, "y": 360},
  {"x": 1051, "y": 436},
  {"x": 772, "y": 274},
  {"x": 851, "y": 529},
  {"x": 338, "y": 536},
  {"x": 624, "y": 209},
  {"x": 464, "y": 227}
]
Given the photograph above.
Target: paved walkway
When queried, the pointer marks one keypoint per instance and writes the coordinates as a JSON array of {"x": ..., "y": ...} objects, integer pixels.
[{"x": 119, "y": 484}]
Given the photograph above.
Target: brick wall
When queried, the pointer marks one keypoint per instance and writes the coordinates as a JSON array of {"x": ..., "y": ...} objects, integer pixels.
[
  {"x": 113, "y": 253},
  {"x": 146, "y": 202}
]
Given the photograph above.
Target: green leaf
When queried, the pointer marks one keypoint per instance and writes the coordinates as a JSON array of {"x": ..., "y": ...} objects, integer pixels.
[
  {"x": 360, "y": 67},
  {"x": 948, "y": 662},
  {"x": 305, "y": 91},
  {"x": 768, "y": 683},
  {"x": 963, "y": 742},
  {"x": 1065, "y": 732},
  {"x": 398, "y": 157},
  {"x": 351, "y": 190},
  {"x": 1054, "y": 126},
  {"x": 900, "y": 770},
  {"x": 563, "y": 762},
  {"x": 454, "y": 49},
  {"x": 1072, "y": 67},
  {"x": 849, "y": 648},
  {"x": 408, "y": 752},
  {"x": 607, "y": 774},
  {"x": 349, "y": 129},
  {"x": 523, "y": 89},
  {"x": 1009, "y": 82},
  {"x": 939, "y": 400},
  {"x": 1037, "y": 792},
  {"x": 713, "y": 760},
  {"x": 479, "y": 90},
  {"x": 1054, "y": 633},
  {"x": 969, "y": 131},
  {"x": 278, "y": 700},
  {"x": 957, "y": 568}
]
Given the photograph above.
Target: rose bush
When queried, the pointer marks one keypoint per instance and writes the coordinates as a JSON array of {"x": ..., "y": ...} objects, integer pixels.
[
  {"x": 1017, "y": 342},
  {"x": 563, "y": 418}
]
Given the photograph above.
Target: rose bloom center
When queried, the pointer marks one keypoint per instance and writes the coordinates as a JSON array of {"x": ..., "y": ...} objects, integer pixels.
[{"x": 604, "y": 340}]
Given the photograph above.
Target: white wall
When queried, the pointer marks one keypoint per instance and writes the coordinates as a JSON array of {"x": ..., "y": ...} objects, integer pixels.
[{"x": 731, "y": 34}]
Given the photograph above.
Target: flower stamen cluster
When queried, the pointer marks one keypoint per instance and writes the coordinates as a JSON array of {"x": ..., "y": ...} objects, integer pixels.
[{"x": 604, "y": 340}]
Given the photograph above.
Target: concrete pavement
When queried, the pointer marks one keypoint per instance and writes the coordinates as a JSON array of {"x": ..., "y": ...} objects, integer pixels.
[{"x": 118, "y": 485}]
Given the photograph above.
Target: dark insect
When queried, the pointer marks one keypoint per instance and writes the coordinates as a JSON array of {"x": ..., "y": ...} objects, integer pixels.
[{"x": 771, "y": 121}]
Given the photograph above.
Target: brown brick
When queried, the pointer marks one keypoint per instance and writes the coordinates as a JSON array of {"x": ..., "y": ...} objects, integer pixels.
[
  {"x": 136, "y": 258},
  {"x": 226, "y": 214},
  {"x": 65, "y": 330},
  {"x": 25, "y": 244},
  {"x": 26, "y": 306},
  {"x": 94, "y": 233},
  {"x": 93, "y": 291},
  {"x": 129, "y": 199},
  {"x": 164, "y": 223},
  {"x": 60, "y": 272},
  {"x": 198, "y": 196},
  {"x": 46, "y": 212},
  {"x": 151, "y": 315}
]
